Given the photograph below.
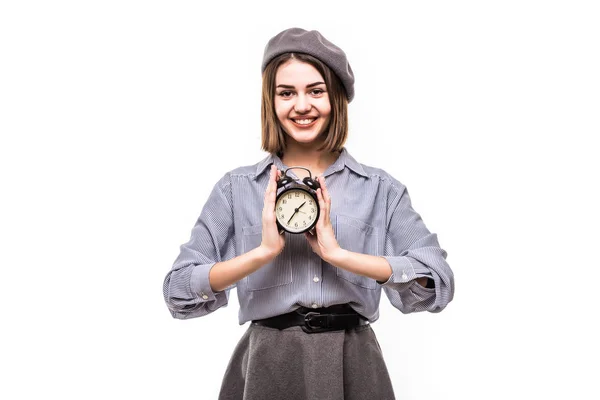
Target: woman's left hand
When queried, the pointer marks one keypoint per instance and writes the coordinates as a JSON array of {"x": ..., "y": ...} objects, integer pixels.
[{"x": 323, "y": 242}]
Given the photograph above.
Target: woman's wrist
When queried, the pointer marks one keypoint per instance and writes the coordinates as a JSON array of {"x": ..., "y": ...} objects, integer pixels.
[{"x": 264, "y": 254}]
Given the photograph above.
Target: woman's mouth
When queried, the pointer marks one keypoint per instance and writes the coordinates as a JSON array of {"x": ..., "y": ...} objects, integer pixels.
[{"x": 304, "y": 122}]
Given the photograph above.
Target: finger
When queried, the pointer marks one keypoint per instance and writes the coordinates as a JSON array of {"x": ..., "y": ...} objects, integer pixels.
[
  {"x": 273, "y": 192},
  {"x": 271, "y": 180},
  {"x": 269, "y": 200},
  {"x": 309, "y": 239},
  {"x": 322, "y": 206},
  {"x": 325, "y": 206},
  {"x": 274, "y": 183},
  {"x": 276, "y": 178},
  {"x": 325, "y": 191},
  {"x": 276, "y": 174}
]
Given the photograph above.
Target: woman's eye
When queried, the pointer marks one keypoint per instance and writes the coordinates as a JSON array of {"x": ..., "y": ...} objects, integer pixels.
[{"x": 289, "y": 93}]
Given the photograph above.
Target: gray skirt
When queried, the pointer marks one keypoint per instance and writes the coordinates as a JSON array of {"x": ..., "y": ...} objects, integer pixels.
[{"x": 290, "y": 364}]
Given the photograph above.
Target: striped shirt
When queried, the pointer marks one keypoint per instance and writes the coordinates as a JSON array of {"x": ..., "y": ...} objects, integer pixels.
[{"x": 371, "y": 213}]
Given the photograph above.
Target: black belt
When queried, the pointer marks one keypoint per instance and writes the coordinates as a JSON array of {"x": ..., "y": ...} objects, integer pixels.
[{"x": 317, "y": 320}]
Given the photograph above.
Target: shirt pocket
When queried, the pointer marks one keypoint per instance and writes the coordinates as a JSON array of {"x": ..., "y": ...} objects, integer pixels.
[
  {"x": 276, "y": 273},
  {"x": 355, "y": 235}
]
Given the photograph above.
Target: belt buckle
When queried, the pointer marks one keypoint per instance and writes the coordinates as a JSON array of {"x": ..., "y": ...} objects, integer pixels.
[{"x": 308, "y": 327}]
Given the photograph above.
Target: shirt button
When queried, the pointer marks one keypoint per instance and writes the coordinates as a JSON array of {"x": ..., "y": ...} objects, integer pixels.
[
  {"x": 404, "y": 276},
  {"x": 314, "y": 305},
  {"x": 316, "y": 279},
  {"x": 205, "y": 297}
]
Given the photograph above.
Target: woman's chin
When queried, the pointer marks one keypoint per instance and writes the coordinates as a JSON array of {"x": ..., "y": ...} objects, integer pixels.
[{"x": 304, "y": 136}]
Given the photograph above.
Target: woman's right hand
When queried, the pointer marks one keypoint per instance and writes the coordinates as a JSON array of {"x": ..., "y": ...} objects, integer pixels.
[{"x": 272, "y": 241}]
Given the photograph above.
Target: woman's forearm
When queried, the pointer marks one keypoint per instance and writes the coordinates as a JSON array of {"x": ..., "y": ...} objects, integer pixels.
[
  {"x": 226, "y": 273},
  {"x": 374, "y": 267}
]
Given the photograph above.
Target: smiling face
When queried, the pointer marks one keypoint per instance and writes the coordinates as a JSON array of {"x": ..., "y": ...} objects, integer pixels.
[{"x": 301, "y": 101}]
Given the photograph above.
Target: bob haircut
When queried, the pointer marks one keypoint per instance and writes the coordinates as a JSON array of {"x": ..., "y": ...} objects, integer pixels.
[{"x": 273, "y": 136}]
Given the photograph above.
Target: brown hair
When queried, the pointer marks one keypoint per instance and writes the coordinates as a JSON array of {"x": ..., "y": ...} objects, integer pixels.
[{"x": 273, "y": 136}]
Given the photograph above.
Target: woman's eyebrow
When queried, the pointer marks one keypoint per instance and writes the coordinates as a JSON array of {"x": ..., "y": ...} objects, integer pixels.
[{"x": 308, "y": 86}]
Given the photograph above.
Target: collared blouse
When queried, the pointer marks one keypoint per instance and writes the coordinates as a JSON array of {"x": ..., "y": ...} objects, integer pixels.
[{"x": 371, "y": 213}]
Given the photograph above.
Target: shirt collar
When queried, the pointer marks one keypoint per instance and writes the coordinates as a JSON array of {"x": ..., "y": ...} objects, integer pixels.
[{"x": 343, "y": 160}]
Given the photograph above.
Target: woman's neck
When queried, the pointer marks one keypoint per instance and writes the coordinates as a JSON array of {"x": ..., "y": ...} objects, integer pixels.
[{"x": 316, "y": 161}]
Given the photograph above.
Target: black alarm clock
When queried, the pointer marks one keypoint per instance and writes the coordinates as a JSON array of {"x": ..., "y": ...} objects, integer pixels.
[{"x": 296, "y": 206}]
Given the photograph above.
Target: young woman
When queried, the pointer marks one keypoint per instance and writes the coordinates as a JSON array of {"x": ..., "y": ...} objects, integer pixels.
[{"x": 311, "y": 298}]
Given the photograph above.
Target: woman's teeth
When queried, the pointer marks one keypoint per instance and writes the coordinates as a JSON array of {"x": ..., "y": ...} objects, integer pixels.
[{"x": 303, "y": 121}]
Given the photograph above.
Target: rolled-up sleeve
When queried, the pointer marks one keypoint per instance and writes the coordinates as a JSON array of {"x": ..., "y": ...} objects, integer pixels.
[
  {"x": 413, "y": 252},
  {"x": 186, "y": 287}
]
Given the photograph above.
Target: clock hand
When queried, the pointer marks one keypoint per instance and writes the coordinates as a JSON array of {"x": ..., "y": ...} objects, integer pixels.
[
  {"x": 292, "y": 216},
  {"x": 296, "y": 211}
]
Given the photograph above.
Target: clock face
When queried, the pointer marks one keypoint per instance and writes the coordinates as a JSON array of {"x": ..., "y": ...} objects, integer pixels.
[{"x": 296, "y": 210}]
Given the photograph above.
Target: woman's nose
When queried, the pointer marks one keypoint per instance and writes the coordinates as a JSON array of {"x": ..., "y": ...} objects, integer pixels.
[{"x": 302, "y": 104}]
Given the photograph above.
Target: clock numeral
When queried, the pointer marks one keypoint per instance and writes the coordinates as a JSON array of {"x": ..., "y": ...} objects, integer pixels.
[
  {"x": 289, "y": 196},
  {"x": 312, "y": 210},
  {"x": 304, "y": 223},
  {"x": 280, "y": 208},
  {"x": 297, "y": 194},
  {"x": 284, "y": 201},
  {"x": 310, "y": 217},
  {"x": 310, "y": 203},
  {"x": 296, "y": 224},
  {"x": 282, "y": 216}
]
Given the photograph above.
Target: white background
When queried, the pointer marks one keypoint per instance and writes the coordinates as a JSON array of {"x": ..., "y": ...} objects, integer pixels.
[{"x": 118, "y": 117}]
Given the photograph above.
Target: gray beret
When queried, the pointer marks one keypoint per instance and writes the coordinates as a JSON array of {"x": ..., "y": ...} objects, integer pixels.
[{"x": 312, "y": 42}]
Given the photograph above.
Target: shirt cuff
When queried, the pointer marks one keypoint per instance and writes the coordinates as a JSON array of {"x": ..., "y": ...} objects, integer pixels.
[
  {"x": 420, "y": 292},
  {"x": 403, "y": 270},
  {"x": 199, "y": 283}
]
